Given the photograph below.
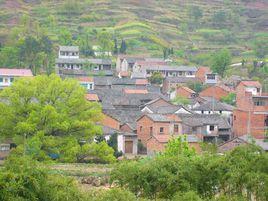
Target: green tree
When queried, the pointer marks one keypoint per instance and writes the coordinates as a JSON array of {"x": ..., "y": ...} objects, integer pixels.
[
  {"x": 24, "y": 179},
  {"x": 105, "y": 41},
  {"x": 220, "y": 61},
  {"x": 219, "y": 18},
  {"x": 156, "y": 78},
  {"x": 260, "y": 48},
  {"x": 178, "y": 146},
  {"x": 180, "y": 100},
  {"x": 65, "y": 37},
  {"x": 9, "y": 57},
  {"x": 195, "y": 13},
  {"x": 229, "y": 99},
  {"x": 47, "y": 103},
  {"x": 123, "y": 47}
]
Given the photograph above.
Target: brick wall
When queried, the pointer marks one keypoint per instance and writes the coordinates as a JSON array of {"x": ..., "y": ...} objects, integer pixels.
[{"x": 110, "y": 122}]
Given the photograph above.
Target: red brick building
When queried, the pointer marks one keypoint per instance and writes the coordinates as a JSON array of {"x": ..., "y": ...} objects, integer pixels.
[
  {"x": 216, "y": 91},
  {"x": 201, "y": 73},
  {"x": 150, "y": 125},
  {"x": 251, "y": 115}
]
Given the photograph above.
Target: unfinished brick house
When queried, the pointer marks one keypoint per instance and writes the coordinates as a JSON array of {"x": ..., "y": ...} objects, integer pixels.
[
  {"x": 251, "y": 115},
  {"x": 149, "y": 125}
]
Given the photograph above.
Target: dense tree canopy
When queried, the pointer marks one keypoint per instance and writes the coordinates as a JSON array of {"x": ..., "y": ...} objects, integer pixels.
[
  {"x": 220, "y": 61},
  {"x": 49, "y": 104}
]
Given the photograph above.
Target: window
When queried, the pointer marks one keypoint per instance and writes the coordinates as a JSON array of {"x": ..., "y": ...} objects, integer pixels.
[
  {"x": 266, "y": 121},
  {"x": 258, "y": 90},
  {"x": 234, "y": 117},
  {"x": 5, "y": 80},
  {"x": 161, "y": 130},
  {"x": 151, "y": 130},
  {"x": 176, "y": 128},
  {"x": 194, "y": 129},
  {"x": 211, "y": 76},
  {"x": 220, "y": 112},
  {"x": 259, "y": 103},
  {"x": 211, "y": 128},
  {"x": 11, "y": 79},
  {"x": 140, "y": 128},
  {"x": 202, "y": 111},
  {"x": 1, "y": 79}
]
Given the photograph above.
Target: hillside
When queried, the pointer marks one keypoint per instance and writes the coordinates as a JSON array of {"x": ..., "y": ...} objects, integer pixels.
[{"x": 193, "y": 28}]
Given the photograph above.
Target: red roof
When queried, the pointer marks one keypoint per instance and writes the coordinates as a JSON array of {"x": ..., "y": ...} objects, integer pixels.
[
  {"x": 92, "y": 97},
  {"x": 141, "y": 82},
  {"x": 251, "y": 83},
  {"x": 135, "y": 91},
  {"x": 16, "y": 72},
  {"x": 124, "y": 74},
  {"x": 187, "y": 89},
  {"x": 85, "y": 79}
]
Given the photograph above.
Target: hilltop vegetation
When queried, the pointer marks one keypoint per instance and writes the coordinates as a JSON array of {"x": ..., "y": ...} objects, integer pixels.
[{"x": 192, "y": 28}]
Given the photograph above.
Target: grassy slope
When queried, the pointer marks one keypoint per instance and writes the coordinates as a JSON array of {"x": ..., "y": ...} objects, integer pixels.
[{"x": 149, "y": 25}]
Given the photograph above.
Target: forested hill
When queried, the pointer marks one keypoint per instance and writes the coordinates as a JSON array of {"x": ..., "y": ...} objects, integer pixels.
[{"x": 193, "y": 28}]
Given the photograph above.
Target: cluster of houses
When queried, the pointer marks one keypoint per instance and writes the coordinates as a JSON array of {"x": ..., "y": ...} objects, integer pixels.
[{"x": 143, "y": 115}]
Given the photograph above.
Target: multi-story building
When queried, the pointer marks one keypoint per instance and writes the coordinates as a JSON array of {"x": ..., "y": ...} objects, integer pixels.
[
  {"x": 70, "y": 64},
  {"x": 251, "y": 115}
]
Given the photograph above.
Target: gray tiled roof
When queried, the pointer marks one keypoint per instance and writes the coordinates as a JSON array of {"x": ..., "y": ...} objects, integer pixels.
[
  {"x": 204, "y": 119},
  {"x": 214, "y": 105},
  {"x": 181, "y": 79},
  {"x": 69, "y": 48},
  {"x": 173, "y": 68},
  {"x": 125, "y": 116},
  {"x": 82, "y": 61},
  {"x": 158, "y": 117},
  {"x": 171, "y": 109}
]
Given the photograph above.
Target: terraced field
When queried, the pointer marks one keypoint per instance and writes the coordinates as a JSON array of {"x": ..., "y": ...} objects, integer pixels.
[{"x": 149, "y": 25}]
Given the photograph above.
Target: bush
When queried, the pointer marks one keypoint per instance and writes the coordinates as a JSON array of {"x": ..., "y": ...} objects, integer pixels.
[
  {"x": 188, "y": 196},
  {"x": 25, "y": 179}
]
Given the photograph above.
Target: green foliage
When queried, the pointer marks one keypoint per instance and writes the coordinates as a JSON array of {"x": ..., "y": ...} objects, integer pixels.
[
  {"x": 196, "y": 177},
  {"x": 156, "y": 78},
  {"x": 188, "y": 196},
  {"x": 180, "y": 100},
  {"x": 196, "y": 86},
  {"x": 178, "y": 146},
  {"x": 114, "y": 194},
  {"x": 112, "y": 142},
  {"x": 105, "y": 41},
  {"x": 219, "y": 18},
  {"x": 65, "y": 37},
  {"x": 24, "y": 179},
  {"x": 220, "y": 61},
  {"x": 260, "y": 47},
  {"x": 123, "y": 47},
  {"x": 229, "y": 99},
  {"x": 99, "y": 152},
  {"x": 49, "y": 104}
]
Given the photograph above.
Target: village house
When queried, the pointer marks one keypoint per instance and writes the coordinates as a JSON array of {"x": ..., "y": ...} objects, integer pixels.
[
  {"x": 171, "y": 83},
  {"x": 69, "y": 64},
  {"x": 183, "y": 91},
  {"x": 216, "y": 107},
  {"x": 169, "y": 71},
  {"x": 7, "y": 76},
  {"x": 127, "y": 141},
  {"x": 86, "y": 82},
  {"x": 208, "y": 128},
  {"x": 162, "y": 106},
  {"x": 202, "y": 72},
  {"x": 251, "y": 114},
  {"x": 242, "y": 141},
  {"x": 216, "y": 92},
  {"x": 92, "y": 97}
]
